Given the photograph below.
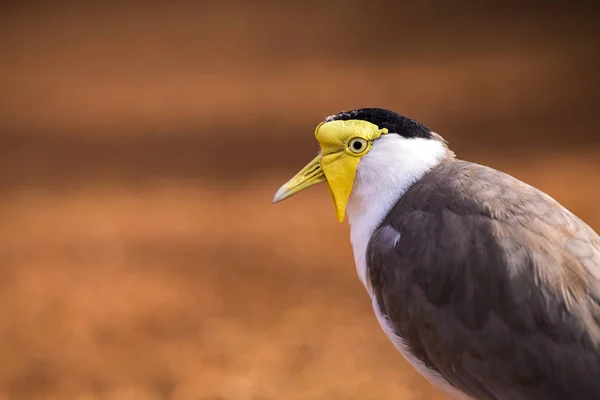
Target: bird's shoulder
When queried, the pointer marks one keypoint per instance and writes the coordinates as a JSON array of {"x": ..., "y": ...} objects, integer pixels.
[{"x": 491, "y": 282}]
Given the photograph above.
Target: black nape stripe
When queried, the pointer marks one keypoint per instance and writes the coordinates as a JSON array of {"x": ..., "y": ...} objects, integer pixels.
[{"x": 393, "y": 122}]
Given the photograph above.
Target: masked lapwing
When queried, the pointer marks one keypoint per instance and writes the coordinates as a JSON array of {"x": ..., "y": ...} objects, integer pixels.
[{"x": 487, "y": 286}]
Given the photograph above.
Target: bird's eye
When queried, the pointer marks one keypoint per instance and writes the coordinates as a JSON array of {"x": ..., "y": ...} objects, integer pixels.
[{"x": 357, "y": 145}]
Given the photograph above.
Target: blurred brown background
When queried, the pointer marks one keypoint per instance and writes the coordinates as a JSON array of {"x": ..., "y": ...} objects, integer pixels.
[{"x": 141, "y": 144}]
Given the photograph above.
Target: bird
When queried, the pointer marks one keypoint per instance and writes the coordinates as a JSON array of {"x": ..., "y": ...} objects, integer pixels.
[{"x": 486, "y": 285}]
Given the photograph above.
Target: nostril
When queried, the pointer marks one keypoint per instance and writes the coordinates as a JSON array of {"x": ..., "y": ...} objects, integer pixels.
[{"x": 312, "y": 171}]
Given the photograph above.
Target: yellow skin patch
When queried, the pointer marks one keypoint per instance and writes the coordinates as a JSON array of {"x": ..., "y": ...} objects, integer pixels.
[{"x": 343, "y": 144}]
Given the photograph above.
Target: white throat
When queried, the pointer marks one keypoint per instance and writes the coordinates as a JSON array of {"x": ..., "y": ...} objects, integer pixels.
[{"x": 390, "y": 168}]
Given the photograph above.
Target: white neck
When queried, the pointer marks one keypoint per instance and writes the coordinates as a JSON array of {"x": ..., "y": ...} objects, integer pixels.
[{"x": 390, "y": 168}]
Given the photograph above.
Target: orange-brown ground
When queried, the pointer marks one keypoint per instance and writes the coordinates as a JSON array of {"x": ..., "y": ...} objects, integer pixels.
[{"x": 189, "y": 291}]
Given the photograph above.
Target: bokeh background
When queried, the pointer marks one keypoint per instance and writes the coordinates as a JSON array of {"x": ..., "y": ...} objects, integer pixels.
[{"x": 141, "y": 144}]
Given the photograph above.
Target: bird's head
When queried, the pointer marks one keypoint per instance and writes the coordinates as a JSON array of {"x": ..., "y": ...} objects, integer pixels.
[{"x": 346, "y": 139}]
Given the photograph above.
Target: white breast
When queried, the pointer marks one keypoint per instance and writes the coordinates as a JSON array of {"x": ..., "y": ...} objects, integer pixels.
[{"x": 382, "y": 177}]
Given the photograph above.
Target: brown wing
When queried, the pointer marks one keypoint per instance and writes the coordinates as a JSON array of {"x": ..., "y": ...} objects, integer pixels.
[{"x": 493, "y": 284}]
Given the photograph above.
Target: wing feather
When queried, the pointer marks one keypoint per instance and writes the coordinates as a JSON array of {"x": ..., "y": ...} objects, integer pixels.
[{"x": 493, "y": 284}]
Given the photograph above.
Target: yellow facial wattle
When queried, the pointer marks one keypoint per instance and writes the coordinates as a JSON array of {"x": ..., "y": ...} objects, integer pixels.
[{"x": 343, "y": 144}]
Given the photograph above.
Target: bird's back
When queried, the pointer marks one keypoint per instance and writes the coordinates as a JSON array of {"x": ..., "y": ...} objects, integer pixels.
[{"x": 492, "y": 284}]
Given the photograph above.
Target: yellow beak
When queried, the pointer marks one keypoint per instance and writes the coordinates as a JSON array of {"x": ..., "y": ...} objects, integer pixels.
[{"x": 308, "y": 176}]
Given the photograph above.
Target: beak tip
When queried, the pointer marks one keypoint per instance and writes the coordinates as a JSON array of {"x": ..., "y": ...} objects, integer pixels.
[{"x": 280, "y": 195}]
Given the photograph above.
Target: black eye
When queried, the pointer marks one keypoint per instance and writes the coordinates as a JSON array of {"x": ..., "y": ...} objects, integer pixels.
[{"x": 357, "y": 145}]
